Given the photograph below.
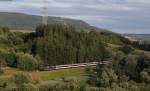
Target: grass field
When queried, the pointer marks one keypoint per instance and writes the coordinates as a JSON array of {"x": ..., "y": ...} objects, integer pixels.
[
  {"x": 114, "y": 46},
  {"x": 57, "y": 74},
  {"x": 142, "y": 51},
  {"x": 45, "y": 75},
  {"x": 24, "y": 31}
]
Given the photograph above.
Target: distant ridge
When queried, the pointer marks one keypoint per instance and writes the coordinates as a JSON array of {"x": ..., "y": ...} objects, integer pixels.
[
  {"x": 139, "y": 36},
  {"x": 26, "y": 21}
]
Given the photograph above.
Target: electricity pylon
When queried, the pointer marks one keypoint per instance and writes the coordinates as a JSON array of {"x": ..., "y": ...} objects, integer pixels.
[{"x": 45, "y": 12}]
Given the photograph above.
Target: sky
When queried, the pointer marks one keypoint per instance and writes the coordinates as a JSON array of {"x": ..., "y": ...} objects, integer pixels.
[{"x": 121, "y": 16}]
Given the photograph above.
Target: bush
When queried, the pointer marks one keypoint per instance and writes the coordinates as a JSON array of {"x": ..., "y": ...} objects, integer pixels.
[
  {"x": 127, "y": 49},
  {"x": 21, "y": 78},
  {"x": 145, "y": 77},
  {"x": 29, "y": 87},
  {"x": 10, "y": 59},
  {"x": 26, "y": 62}
]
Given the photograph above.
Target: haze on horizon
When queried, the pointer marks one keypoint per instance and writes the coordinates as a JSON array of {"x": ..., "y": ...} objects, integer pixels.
[{"x": 122, "y": 16}]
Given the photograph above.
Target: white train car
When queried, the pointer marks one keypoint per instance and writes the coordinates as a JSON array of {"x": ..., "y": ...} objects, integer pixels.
[{"x": 58, "y": 67}]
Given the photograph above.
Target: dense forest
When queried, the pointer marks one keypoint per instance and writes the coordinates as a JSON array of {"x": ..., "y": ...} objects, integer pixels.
[{"x": 55, "y": 44}]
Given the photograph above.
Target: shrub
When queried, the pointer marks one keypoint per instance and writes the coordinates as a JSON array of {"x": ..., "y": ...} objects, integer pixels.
[
  {"x": 26, "y": 62},
  {"x": 21, "y": 78}
]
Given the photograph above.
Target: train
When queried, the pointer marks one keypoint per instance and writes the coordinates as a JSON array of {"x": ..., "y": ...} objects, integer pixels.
[{"x": 67, "y": 66}]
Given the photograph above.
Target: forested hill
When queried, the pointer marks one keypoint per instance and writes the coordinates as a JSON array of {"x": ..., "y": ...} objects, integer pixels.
[{"x": 25, "y": 21}]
